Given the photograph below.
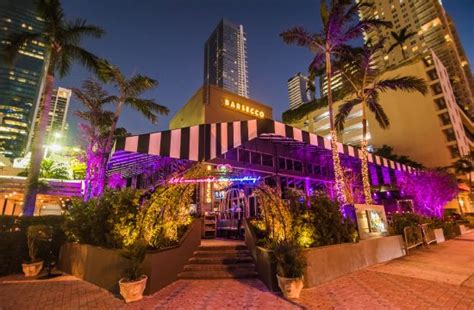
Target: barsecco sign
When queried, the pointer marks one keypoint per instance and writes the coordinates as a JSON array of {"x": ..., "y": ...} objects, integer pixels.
[{"x": 243, "y": 108}]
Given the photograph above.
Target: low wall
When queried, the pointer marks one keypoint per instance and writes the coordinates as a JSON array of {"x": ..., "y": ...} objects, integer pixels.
[
  {"x": 162, "y": 267},
  {"x": 104, "y": 267},
  {"x": 329, "y": 262},
  {"x": 99, "y": 266},
  {"x": 265, "y": 267}
]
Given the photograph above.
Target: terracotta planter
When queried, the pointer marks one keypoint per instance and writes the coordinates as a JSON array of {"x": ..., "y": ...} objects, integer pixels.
[
  {"x": 132, "y": 291},
  {"x": 32, "y": 269},
  {"x": 291, "y": 287}
]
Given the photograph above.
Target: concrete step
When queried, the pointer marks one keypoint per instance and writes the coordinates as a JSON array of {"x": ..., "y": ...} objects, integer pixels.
[
  {"x": 221, "y": 260},
  {"x": 222, "y": 247},
  {"x": 217, "y": 274},
  {"x": 226, "y": 253},
  {"x": 220, "y": 267}
]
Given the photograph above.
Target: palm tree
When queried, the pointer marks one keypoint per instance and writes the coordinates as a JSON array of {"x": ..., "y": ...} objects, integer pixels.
[
  {"x": 465, "y": 165},
  {"x": 331, "y": 43},
  {"x": 367, "y": 86},
  {"x": 129, "y": 93},
  {"x": 62, "y": 39},
  {"x": 95, "y": 129},
  {"x": 400, "y": 38}
]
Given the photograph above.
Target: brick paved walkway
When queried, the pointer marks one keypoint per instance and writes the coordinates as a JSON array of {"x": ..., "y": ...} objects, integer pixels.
[
  {"x": 65, "y": 292},
  {"x": 439, "y": 277}
]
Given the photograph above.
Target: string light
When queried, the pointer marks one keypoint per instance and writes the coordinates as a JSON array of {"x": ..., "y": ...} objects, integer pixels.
[
  {"x": 365, "y": 174},
  {"x": 338, "y": 172}
]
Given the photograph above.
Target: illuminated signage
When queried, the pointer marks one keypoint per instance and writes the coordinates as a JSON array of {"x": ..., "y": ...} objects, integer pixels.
[
  {"x": 245, "y": 179},
  {"x": 243, "y": 108}
]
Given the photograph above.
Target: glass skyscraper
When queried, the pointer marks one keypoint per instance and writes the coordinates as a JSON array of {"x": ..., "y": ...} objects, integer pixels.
[
  {"x": 20, "y": 81},
  {"x": 225, "y": 58}
]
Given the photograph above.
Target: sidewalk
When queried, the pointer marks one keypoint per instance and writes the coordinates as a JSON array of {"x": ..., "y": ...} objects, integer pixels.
[{"x": 441, "y": 276}]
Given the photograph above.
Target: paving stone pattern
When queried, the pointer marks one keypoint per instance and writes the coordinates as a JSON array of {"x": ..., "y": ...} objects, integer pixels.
[{"x": 439, "y": 277}]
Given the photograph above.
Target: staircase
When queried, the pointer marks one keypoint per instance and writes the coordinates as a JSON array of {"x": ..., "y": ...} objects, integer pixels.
[{"x": 220, "y": 262}]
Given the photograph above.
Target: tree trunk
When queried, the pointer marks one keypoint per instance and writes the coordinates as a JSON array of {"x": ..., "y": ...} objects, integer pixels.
[
  {"x": 338, "y": 172},
  {"x": 37, "y": 150},
  {"x": 101, "y": 180},
  {"x": 403, "y": 52},
  {"x": 365, "y": 166}
]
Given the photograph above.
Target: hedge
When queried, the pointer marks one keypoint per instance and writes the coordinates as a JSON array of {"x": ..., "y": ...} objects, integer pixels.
[{"x": 13, "y": 245}]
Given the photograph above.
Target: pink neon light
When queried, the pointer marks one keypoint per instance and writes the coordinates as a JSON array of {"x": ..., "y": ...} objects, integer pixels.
[{"x": 246, "y": 179}]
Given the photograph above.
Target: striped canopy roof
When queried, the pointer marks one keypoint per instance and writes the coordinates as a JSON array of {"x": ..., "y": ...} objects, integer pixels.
[{"x": 207, "y": 141}]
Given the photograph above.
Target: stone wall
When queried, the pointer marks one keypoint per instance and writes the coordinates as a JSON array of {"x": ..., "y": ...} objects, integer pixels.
[
  {"x": 329, "y": 262},
  {"x": 104, "y": 267}
]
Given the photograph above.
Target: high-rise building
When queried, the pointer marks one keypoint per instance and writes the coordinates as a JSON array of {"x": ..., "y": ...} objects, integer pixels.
[
  {"x": 57, "y": 116},
  {"x": 225, "y": 58},
  {"x": 298, "y": 92},
  {"x": 434, "y": 30},
  {"x": 428, "y": 129},
  {"x": 20, "y": 82}
]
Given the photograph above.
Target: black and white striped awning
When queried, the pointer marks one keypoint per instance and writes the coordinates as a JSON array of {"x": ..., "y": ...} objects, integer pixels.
[{"x": 207, "y": 141}]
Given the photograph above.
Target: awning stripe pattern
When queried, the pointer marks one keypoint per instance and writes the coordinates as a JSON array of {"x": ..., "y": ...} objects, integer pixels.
[{"x": 207, "y": 141}]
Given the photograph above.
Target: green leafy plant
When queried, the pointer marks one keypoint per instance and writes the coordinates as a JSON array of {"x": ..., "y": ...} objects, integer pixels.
[
  {"x": 37, "y": 235},
  {"x": 330, "y": 227},
  {"x": 289, "y": 258},
  {"x": 135, "y": 253}
]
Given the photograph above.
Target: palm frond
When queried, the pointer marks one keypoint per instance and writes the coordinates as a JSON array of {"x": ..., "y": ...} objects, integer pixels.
[
  {"x": 297, "y": 35},
  {"x": 15, "y": 42},
  {"x": 87, "y": 59},
  {"x": 76, "y": 30},
  {"x": 375, "y": 107},
  {"x": 52, "y": 13},
  {"x": 323, "y": 9},
  {"x": 138, "y": 84},
  {"x": 404, "y": 83},
  {"x": 147, "y": 108},
  {"x": 344, "y": 111}
]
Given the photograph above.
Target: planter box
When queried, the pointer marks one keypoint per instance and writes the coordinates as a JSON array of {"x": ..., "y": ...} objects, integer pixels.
[
  {"x": 439, "y": 234},
  {"x": 162, "y": 266},
  {"x": 329, "y": 262},
  {"x": 104, "y": 267},
  {"x": 265, "y": 267}
]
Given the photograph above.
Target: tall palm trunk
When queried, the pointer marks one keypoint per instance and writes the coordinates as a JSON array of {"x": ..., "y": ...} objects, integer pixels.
[
  {"x": 100, "y": 185},
  {"x": 37, "y": 149},
  {"x": 365, "y": 166},
  {"x": 338, "y": 173}
]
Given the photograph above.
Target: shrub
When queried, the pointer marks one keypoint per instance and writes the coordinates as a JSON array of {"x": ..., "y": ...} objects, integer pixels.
[
  {"x": 13, "y": 240},
  {"x": 401, "y": 220},
  {"x": 109, "y": 220},
  {"x": 289, "y": 258},
  {"x": 37, "y": 236},
  {"x": 329, "y": 226}
]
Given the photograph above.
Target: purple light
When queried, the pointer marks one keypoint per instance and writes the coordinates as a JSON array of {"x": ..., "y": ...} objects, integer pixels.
[
  {"x": 245, "y": 179},
  {"x": 430, "y": 190}
]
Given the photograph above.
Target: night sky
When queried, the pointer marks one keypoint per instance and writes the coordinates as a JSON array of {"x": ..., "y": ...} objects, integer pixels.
[{"x": 165, "y": 40}]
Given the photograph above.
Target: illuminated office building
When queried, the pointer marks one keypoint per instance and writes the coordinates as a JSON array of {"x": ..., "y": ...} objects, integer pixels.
[
  {"x": 298, "y": 92},
  {"x": 20, "y": 82},
  {"x": 225, "y": 59}
]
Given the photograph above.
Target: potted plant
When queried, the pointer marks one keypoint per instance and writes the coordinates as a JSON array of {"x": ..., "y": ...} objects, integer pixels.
[
  {"x": 133, "y": 283},
  {"x": 35, "y": 236},
  {"x": 290, "y": 263}
]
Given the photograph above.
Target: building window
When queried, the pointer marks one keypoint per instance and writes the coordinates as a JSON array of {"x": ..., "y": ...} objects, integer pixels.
[
  {"x": 433, "y": 74},
  {"x": 444, "y": 118},
  {"x": 267, "y": 160},
  {"x": 453, "y": 149},
  {"x": 436, "y": 89},
  {"x": 449, "y": 134},
  {"x": 441, "y": 103}
]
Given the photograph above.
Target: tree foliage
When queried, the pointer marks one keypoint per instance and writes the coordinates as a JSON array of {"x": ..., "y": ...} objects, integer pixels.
[{"x": 430, "y": 190}]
